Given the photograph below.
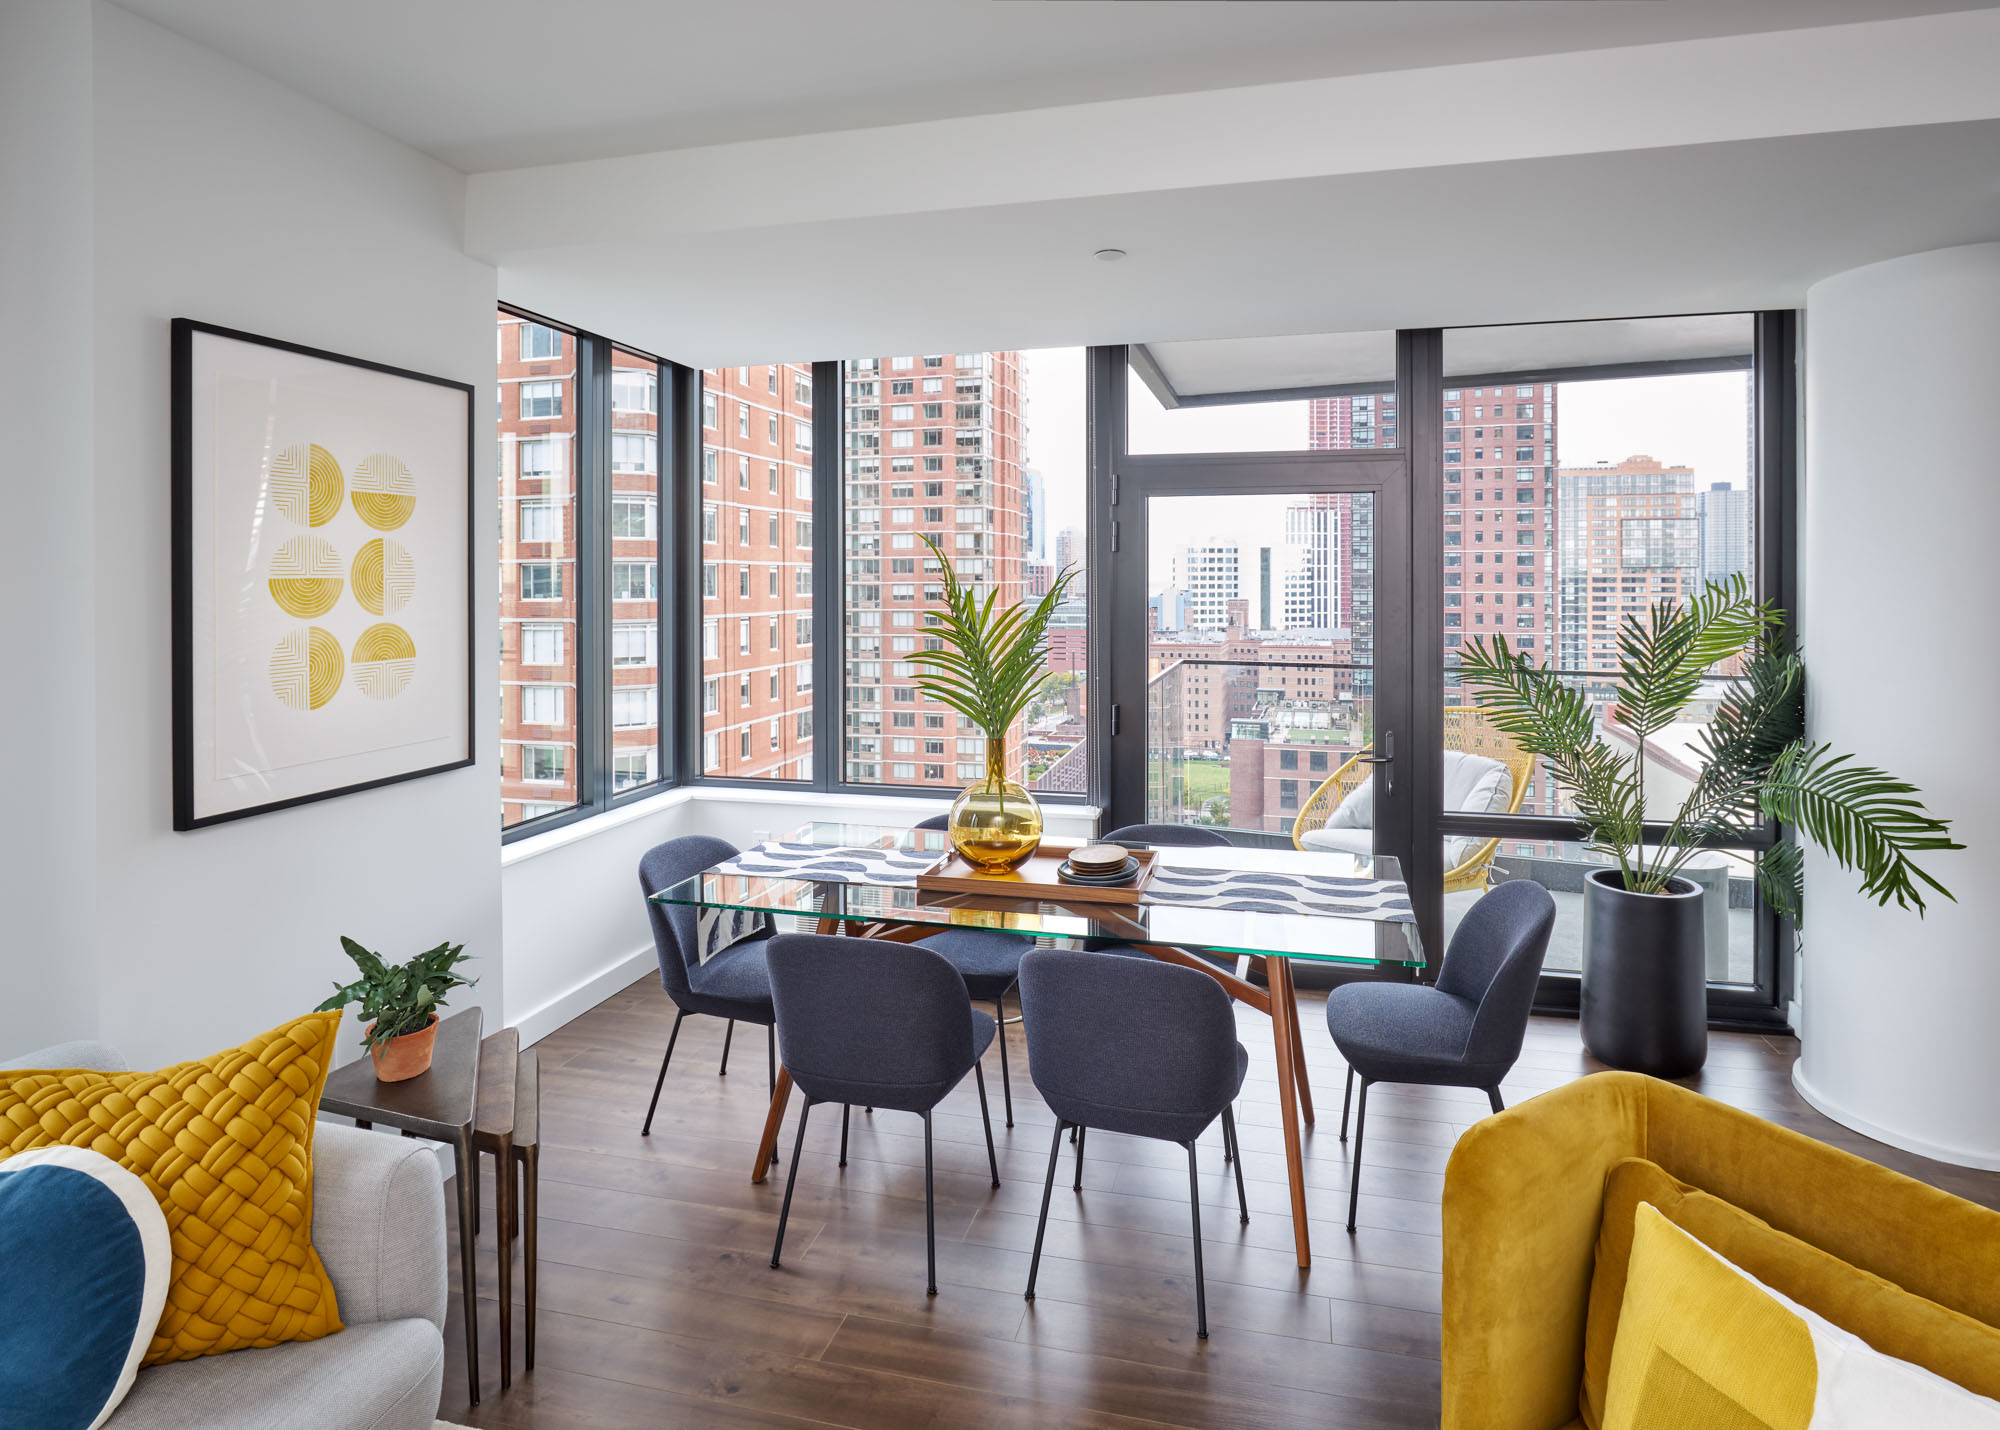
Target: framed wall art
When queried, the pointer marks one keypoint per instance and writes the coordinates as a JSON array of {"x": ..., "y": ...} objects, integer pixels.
[{"x": 322, "y": 572}]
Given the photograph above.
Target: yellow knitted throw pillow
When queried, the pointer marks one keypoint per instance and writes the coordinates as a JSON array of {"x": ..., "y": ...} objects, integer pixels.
[{"x": 226, "y": 1145}]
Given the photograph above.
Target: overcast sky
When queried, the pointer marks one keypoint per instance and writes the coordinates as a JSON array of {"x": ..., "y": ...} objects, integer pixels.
[{"x": 1699, "y": 420}]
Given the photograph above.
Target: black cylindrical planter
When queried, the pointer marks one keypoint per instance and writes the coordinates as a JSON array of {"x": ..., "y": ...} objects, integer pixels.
[{"x": 1645, "y": 976}]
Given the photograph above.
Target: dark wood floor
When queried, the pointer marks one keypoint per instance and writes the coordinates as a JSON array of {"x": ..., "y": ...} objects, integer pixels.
[{"x": 659, "y": 1306}]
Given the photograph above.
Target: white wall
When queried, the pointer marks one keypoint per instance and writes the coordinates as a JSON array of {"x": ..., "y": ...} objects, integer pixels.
[
  {"x": 575, "y": 923},
  {"x": 47, "y": 954},
  {"x": 222, "y": 196},
  {"x": 1902, "y": 495}
]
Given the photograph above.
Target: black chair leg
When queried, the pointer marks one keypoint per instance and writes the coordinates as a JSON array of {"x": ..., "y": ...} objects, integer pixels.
[
  {"x": 646, "y": 1129},
  {"x": 1200, "y": 1289},
  {"x": 1346, "y": 1103},
  {"x": 930, "y": 1213},
  {"x": 785, "y": 1211},
  {"x": 1354, "y": 1166},
  {"x": 1079, "y": 1158},
  {"x": 844, "y": 1110},
  {"x": 1042, "y": 1224},
  {"x": 1000, "y": 1037},
  {"x": 727, "y": 1034},
  {"x": 1229, "y": 1140},
  {"x": 1493, "y": 1096},
  {"x": 986, "y": 1120}
]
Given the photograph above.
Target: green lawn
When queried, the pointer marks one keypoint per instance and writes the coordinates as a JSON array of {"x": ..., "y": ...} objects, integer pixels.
[{"x": 1205, "y": 780}]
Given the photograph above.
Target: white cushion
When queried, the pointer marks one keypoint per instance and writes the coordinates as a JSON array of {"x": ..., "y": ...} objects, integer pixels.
[
  {"x": 1341, "y": 841},
  {"x": 1357, "y": 811},
  {"x": 1859, "y": 1388},
  {"x": 1476, "y": 784}
]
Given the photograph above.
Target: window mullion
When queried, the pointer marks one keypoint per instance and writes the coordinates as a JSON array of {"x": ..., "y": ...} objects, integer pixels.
[{"x": 829, "y": 568}]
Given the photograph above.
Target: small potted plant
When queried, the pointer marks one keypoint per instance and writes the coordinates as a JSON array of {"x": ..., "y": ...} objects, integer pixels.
[
  {"x": 401, "y": 1002},
  {"x": 1644, "y": 1003},
  {"x": 994, "y": 666}
]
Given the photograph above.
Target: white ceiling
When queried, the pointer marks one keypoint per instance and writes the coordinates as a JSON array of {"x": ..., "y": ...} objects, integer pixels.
[{"x": 490, "y": 84}]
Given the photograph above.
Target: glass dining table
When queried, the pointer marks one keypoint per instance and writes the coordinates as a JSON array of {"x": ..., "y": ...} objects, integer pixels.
[{"x": 1248, "y": 907}]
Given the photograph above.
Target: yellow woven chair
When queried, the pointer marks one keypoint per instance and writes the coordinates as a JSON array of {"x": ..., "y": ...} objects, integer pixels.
[{"x": 1466, "y": 730}]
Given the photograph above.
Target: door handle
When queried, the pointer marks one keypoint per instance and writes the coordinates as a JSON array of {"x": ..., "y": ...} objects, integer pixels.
[{"x": 1387, "y": 757}]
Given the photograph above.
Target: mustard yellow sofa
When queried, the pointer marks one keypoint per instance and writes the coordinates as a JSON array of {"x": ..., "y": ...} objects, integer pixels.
[{"x": 1523, "y": 1203}]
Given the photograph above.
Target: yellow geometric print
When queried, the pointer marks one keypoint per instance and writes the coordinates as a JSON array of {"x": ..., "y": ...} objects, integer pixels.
[
  {"x": 306, "y": 486},
  {"x": 384, "y": 491},
  {"x": 385, "y": 661},
  {"x": 384, "y": 577},
  {"x": 306, "y": 668},
  {"x": 305, "y": 577}
]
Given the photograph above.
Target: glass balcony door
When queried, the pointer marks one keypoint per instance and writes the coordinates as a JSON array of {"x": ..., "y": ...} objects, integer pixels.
[{"x": 1274, "y": 680}]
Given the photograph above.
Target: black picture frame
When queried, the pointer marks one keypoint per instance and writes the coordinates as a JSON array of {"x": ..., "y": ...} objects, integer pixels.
[{"x": 184, "y": 334}]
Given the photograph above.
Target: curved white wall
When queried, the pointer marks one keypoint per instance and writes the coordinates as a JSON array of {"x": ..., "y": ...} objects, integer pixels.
[{"x": 1901, "y": 511}]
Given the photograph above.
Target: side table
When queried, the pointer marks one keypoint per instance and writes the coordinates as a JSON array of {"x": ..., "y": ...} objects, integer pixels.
[
  {"x": 439, "y": 1104},
  {"x": 493, "y": 1133}
]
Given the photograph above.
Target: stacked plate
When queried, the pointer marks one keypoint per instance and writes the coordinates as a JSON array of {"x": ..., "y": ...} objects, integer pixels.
[{"x": 1103, "y": 864}]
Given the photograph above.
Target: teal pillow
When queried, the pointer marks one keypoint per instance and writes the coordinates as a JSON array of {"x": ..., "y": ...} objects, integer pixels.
[{"x": 87, "y": 1256}]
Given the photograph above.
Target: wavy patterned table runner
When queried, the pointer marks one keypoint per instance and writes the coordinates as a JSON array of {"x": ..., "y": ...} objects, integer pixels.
[
  {"x": 1254, "y": 891},
  {"x": 719, "y": 928},
  {"x": 828, "y": 864}
]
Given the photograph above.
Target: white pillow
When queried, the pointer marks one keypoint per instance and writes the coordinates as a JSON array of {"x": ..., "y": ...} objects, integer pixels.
[
  {"x": 1357, "y": 811},
  {"x": 1476, "y": 784},
  {"x": 1859, "y": 1388}
]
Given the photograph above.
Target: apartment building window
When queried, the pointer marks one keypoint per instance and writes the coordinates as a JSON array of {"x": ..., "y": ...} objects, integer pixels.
[
  {"x": 634, "y": 518},
  {"x": 541, "y": 401},
  {"x": 540, "y": 344},
  {"x": 633, "y": 451},
  {"x": 635, "y": 389},
  {"x": 635, "y": 643},
  {"x": 540, "y": 457},
  {"x": 541, "y": 643},
  {"x": 542, "y": 704},
  {"x": 632, "y": 768},
  {"x": 541, "y": 521},
  {"x": 543, "y": 764},
  {"x": 540, "y": 581},
  {"x": 634, "y": 707},
  {"x": 634, "y": 580}
]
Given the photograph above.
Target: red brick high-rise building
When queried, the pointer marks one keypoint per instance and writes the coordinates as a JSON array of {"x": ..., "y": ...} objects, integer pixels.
[{"x": 933, "y": 450}]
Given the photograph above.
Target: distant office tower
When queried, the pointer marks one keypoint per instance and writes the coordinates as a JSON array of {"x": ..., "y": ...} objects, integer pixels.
[
  {"x": 1265, "y": 603},
  {"x": 1499, "y": 514},
  {"x": 933, "y": 449},
  {"x": 1630, "y": 537},
  {"x": 1209, "y": 578},
  {"x": 1034, "y": 515},
  {"x": 1724, "y": 513},
  {"x": 1072, "y": 554},
  {"x": 1318, "y": 533}
]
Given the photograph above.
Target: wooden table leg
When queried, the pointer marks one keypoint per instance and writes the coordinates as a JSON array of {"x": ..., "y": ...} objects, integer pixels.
[
  {"x": 1298, "y": 1046},
  {"x": 767, "y": 1147},
  {"x": 465, "y": 1165},
  {"x": 1285, "y": 1034},
  {"x": 503, "y": 1237},
  {"x": 531, "y": 1176}
]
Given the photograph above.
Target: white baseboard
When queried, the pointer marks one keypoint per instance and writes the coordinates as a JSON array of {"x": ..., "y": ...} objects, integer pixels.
[
  {"x": 581, "y": 999},
  {"x": 1956, "y": 1156}
]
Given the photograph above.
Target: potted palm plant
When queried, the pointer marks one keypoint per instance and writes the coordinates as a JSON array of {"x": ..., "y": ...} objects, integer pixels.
[
  {"x": 401, "y": 1000},
  {"x": 1644, "y": 1003},
  {"x": 994, "y": 665}
]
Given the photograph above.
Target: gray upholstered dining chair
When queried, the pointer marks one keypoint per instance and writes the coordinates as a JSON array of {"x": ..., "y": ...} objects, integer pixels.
[
  {"x": 1133, "y": 1046},
  {"x": 1465, "y": 1030},
  {"x": 989, "y": 960},
  {"x": 887, "y": 1025},
  {"x": 733, "y": 984}
]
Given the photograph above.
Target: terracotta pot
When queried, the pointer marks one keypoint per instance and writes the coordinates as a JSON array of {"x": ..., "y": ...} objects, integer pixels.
[{"x": 406, "y": 1055}]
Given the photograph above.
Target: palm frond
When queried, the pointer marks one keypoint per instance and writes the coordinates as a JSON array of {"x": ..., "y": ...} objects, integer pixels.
[
  {"x": 993, "y": 664},
  {"x": 1661, "y": 661},
  {"x": 1865, "y": 818},
  {"x": 1781, "y": 873}
]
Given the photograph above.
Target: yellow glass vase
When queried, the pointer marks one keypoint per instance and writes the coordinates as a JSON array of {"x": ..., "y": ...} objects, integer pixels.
[{"x": 996, "y": 823}]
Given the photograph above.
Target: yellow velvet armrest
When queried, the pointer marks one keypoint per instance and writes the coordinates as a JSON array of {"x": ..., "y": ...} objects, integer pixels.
[{"x": 1523, "y": 1197}]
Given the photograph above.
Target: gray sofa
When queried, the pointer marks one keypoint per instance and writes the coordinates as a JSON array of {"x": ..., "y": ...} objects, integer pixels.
[{"x": 378, "y": 1225}]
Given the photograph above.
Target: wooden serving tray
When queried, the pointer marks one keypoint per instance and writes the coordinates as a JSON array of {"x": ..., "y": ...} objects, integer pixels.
[{"x": 1035, "y": 878}]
